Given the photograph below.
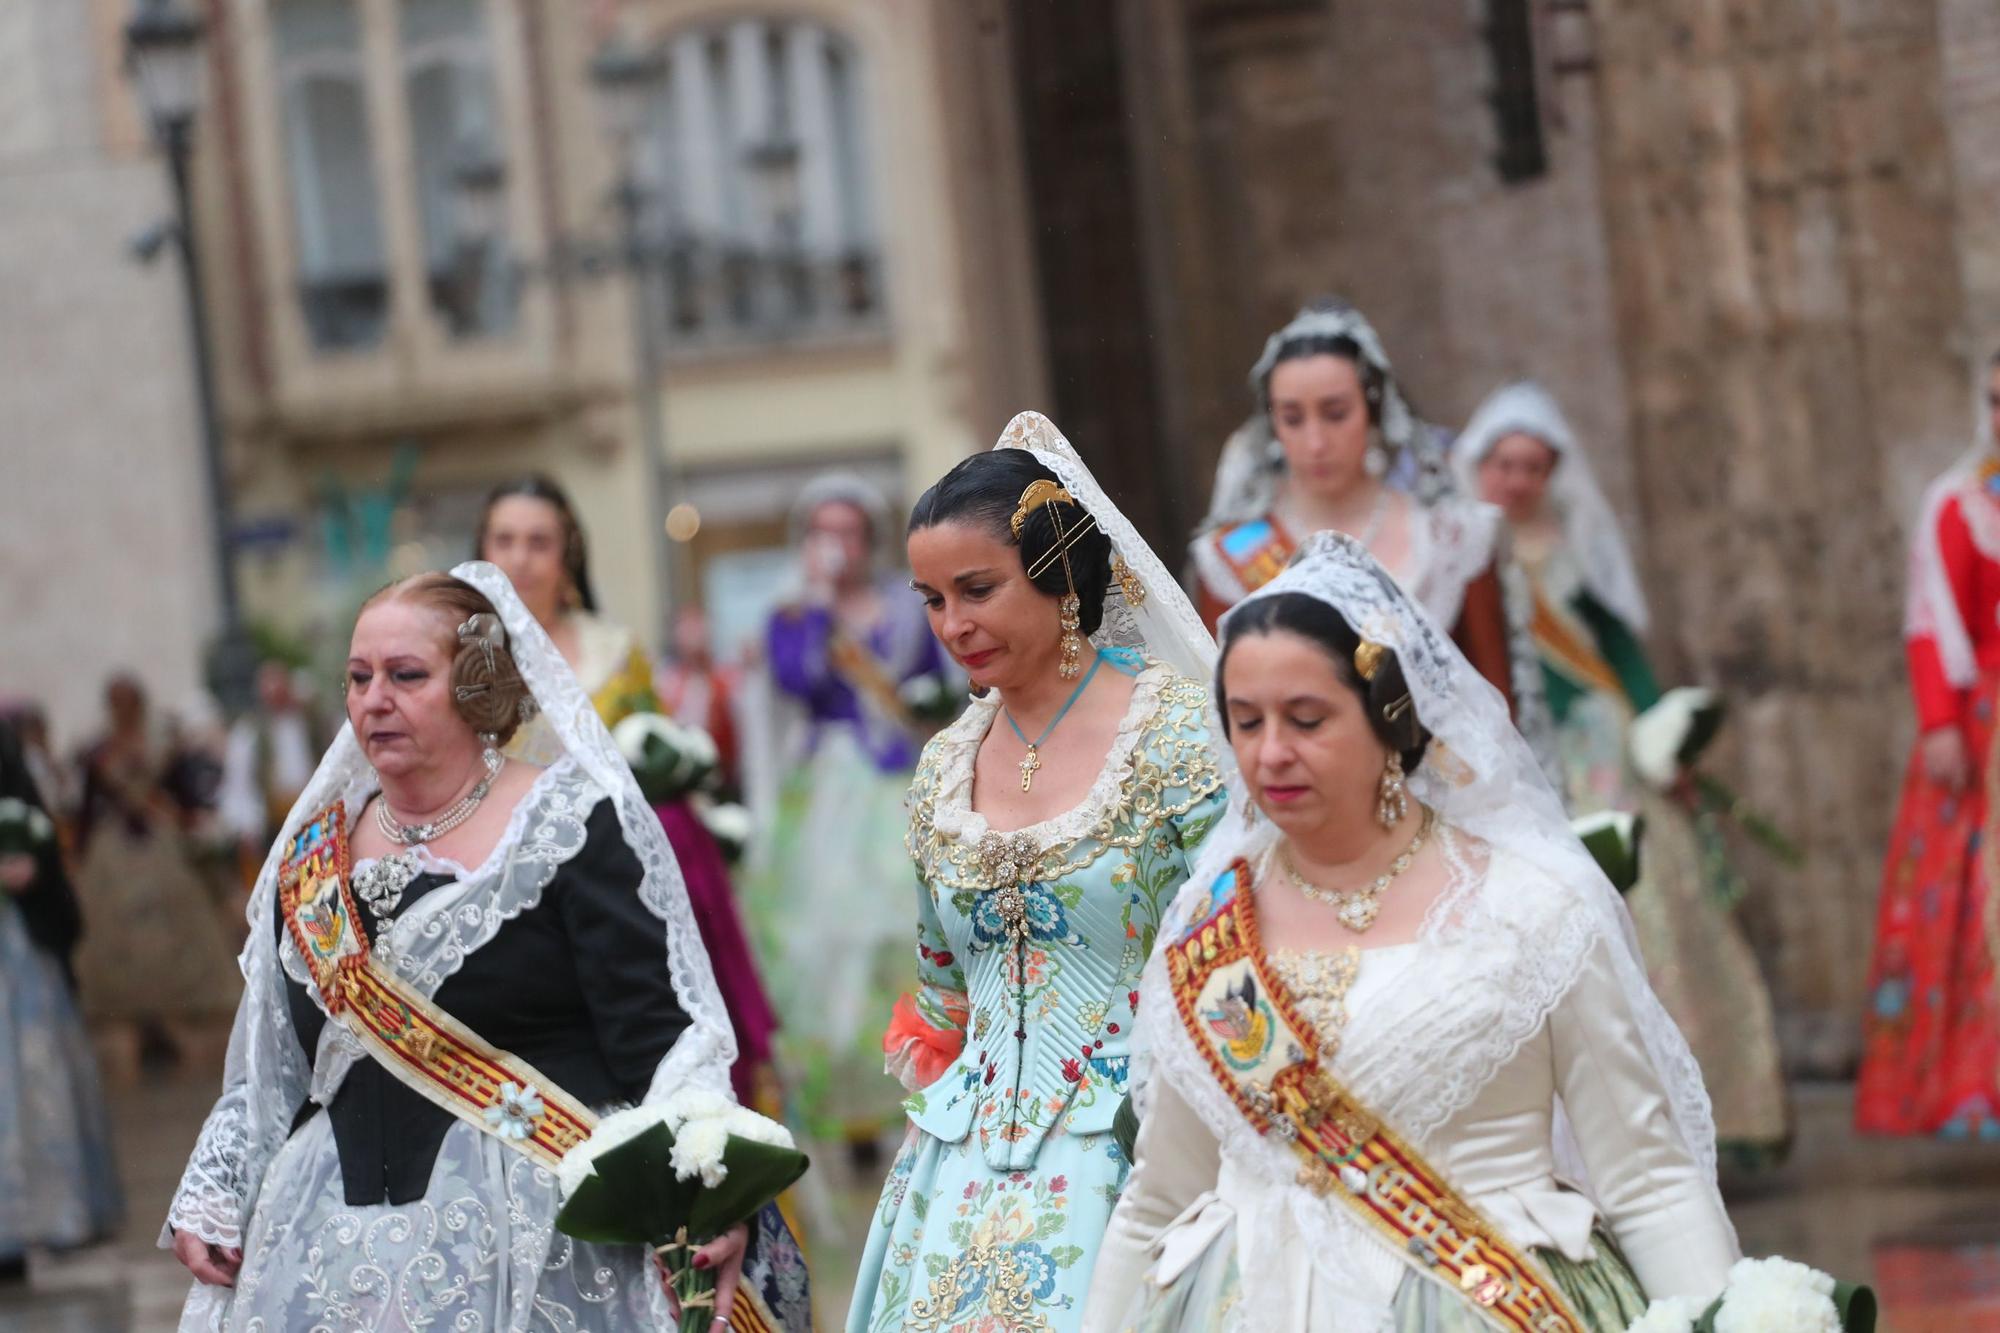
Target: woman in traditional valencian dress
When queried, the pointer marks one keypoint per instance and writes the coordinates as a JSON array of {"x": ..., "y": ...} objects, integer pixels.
[
  {"x": 531, "y": 532},
  {"x": 58, "y": 1178},
  {"x": 1519, "y": 453},
  {"x": 1931, "y": 1059},
  {"x": 156, "y": 955},
  {"x": 828, "y": 771},
  {"x": 1050, "y": 825},
  {"x": 1394, "y": 974},
  {"x": 1333, "y": 446},
  {"x": 457, "y": 961}
]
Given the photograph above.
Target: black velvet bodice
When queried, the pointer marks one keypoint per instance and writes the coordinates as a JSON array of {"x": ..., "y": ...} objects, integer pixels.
[{"x": 577, "y": 986}]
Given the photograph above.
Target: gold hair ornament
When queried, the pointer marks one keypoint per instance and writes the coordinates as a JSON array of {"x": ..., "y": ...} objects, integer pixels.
[{"x": 1044, "y": 492}]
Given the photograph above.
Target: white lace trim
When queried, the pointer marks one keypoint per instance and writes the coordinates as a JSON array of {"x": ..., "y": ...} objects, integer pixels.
[{"x": 958, "y": 753}]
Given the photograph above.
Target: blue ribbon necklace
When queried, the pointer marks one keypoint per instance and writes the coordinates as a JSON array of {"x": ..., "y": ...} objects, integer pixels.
[{"x": 1032, "y": 761}]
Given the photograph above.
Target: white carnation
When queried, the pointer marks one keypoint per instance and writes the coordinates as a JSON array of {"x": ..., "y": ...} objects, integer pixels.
[
  {"x": 39, "y": 827},
  {"x": 744, "y": 1123},
  {"x": 1671, "y": 1314},
  {"x": 12, "y": 808},
  {"x": 632, "y": 732},
  {"x": 729, "y": 823},
  {"x": 699, "y": 746},
  {"x": 694, "y": 1102},
  {"x": 1659, "y": 733},
  {"x": 614, "y": 1130},
  {"x": 698, "y": 1149},
  {"x": 1777, "y": 1296}
]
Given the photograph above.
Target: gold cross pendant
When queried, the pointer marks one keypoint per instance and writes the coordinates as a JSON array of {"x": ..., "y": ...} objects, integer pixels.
[{"x": 1029, "y": 764}]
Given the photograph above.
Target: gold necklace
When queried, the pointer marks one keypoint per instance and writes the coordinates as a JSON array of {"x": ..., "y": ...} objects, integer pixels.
[{"x": 1358, "y": 908}]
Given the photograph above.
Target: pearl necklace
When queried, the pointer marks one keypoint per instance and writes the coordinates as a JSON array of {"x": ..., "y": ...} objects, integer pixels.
[
  {"x": 409, "y": 835},
  {"x": 1358, "y": 908}
]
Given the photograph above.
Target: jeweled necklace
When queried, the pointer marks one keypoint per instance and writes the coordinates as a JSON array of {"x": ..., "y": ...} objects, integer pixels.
[
  {"x": 1032, "y": 761},
  {"x": 1358, "y": 908},
  {"x": 409, "y": 835}
]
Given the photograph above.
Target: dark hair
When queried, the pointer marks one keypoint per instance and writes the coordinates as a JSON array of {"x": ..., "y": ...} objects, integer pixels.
[
  {"x": 1299, "y": 348},
  {"x": 1319, "y": 623},
  {"x": 497, "y": 691},
  {"x": 541, "y": 486},
  {"x": 985, "y": 490}
]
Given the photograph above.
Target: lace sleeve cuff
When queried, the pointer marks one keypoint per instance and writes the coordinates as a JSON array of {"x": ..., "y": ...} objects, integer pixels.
[{"x": 212, "y": 1197}]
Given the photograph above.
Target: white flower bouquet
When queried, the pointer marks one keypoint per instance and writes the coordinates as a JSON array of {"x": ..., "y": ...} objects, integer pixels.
[
  {"x": 668, "y": 757},
  {"x": 930, "y": 699},
  {"x": 675, "y": 1176},
  {"x": 1666, "y": 741},
  {"x": 24, "y": 829},
  {"x": 1769, "y": 1296},
  {"x": 729, "y": 823}
]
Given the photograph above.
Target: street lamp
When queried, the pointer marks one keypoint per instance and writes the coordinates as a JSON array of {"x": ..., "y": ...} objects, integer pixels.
[{"x": 163, "y": 48}]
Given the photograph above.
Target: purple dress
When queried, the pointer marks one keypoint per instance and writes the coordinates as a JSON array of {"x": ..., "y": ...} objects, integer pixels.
[{"x": 826, "y": 907}]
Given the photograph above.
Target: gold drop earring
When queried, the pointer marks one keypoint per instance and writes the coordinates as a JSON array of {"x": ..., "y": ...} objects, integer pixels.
[{"x": 1392, "y": 803}]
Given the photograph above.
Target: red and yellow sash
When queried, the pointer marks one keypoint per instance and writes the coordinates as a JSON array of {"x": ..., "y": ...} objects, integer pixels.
[
  {"x": 1256, "y": 552},
  {"x": 1266, "y": 1057},
  {"x": 425, "y": 1048}
]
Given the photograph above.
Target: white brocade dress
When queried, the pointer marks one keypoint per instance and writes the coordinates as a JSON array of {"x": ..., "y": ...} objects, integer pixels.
[{"x": 1221, "y": 1221}]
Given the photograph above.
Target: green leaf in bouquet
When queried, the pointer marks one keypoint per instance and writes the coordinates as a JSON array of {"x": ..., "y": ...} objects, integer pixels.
[
  {"x": 1125, "y": 1127},
  {"x": 757, "y": 1174},
  {"x": 1704, "y": 725},
  {"x": 632, "y": 1195},
  {"x": 1613, "y": 840},
  {"x": 1856, "y": 1304}
]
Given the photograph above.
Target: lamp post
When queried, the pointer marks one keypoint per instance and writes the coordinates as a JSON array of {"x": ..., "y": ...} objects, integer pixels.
[{"x": 163, "y": 46}]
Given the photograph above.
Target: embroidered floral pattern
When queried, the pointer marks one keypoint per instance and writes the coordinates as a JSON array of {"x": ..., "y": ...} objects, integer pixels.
[{"x": 998, "y": 1201}]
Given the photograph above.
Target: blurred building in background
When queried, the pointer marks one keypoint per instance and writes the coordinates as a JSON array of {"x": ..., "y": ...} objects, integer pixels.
[
  {"x": 103, "y": 520},
  {"x": 1755, "y": 250},
  {"x": 431, "y": 225}
]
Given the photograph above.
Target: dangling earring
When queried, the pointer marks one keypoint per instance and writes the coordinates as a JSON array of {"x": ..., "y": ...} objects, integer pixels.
[
  {"x": 1251, "y": 813},
  {"x": 1376, "y": 461},
  {"x": 1072, "y": 639},
  {"x": 1392, "y": 804},
  {"x": 1047, "y": 493},
  {"x": 490, "y": 756}
]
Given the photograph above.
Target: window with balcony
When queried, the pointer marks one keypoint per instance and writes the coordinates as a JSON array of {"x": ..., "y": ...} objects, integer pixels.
[
  {"x": 757, "y": 165},
  {"x": 343, "y": 276},
  {"x": 453, "y": 117}
]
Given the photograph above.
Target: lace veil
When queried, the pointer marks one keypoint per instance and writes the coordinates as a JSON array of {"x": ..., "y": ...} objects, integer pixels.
[
  {"x": 267, "y": 1077},
  {"x": 1163, "y": 623},
  {"x": 1590, "y": 528},
  {"x": 1525, "y": 909},
  {"x": 1253, "y": 464}
]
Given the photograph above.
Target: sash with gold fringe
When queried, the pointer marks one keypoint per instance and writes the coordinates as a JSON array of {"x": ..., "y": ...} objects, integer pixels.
[
  {"x": 426, "y": 1049},
  {"x": 1265, "y": 1056}
]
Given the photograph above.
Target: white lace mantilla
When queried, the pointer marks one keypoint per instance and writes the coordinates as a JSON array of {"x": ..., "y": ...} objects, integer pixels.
[{"x": 266, "y": 1077}]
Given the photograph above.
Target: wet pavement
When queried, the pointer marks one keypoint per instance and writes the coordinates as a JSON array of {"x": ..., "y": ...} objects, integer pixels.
[{"x": 1919, "y": 1219}]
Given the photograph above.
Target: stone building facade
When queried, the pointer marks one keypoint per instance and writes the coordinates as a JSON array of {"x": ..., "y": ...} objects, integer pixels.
[
  {"x": 1751, "y": 247},
  {"x": 104, "y": 528}
]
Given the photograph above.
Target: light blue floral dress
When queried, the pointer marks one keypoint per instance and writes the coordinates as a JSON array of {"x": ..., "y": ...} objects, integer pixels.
[{"x": 994, "y": 1209}]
